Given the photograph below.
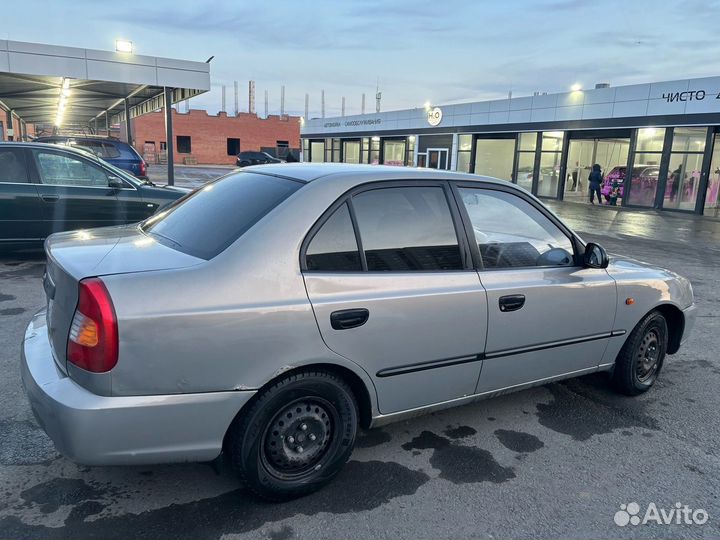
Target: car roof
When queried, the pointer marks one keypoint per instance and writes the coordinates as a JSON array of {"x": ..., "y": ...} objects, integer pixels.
[
  {"x": 308, "y": 172},
  {"x": 94, "y": 138},
  {"x": 62, "y": 148}
]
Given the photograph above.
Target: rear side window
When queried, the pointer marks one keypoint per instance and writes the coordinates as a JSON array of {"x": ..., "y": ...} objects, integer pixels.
[
  {"x": 334, "y": 247},
  {"x": 406, "y": 229},
  {"x": 12, "y": 166},
  {"x": 213, "y": 217},
  {"x": 110, "y": 151},
  {"x": 89, "y": 146}
]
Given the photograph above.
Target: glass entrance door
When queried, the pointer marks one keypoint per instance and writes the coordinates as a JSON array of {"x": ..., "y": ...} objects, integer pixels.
[
  {"x": 612, "y": 156},
  {"x": 437, "y": 158}
]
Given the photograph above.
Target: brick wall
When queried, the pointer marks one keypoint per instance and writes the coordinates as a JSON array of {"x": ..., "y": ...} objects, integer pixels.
[{"x": 209, "y": 133}]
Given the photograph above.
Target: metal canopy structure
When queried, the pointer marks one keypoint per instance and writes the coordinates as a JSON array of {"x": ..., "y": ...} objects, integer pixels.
[{"x": 86, "y": 89}]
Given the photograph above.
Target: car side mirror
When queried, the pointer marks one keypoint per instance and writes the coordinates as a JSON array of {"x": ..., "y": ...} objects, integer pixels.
[
  {"x": 595, "y": 256},
  {"x": 115, "y": 182}
]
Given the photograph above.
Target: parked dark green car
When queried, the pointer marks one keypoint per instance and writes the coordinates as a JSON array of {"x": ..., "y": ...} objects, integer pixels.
[{"x": 46, "y": 188}]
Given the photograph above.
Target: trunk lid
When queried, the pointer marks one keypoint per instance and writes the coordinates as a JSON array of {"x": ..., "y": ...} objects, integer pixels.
[{"x": 74, "y": 255}]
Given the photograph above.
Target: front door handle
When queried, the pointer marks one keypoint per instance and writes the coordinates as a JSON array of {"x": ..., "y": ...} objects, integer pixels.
[
  {"x": 49, "y": 198},
  {"x": 512, "y": 302},
  {"x": 348, "y": 318}
]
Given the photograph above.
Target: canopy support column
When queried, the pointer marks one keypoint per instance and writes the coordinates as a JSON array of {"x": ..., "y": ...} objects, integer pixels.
[{"x": 169, "y": 140}]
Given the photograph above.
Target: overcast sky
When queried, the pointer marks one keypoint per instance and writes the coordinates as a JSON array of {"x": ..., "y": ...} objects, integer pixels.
[{"x": 444, "y": 51}]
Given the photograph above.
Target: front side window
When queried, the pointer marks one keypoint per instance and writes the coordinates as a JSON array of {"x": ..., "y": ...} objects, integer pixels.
[
  {"x": 407, "y": 229},
  {"x": 65, "y": 170},
  {"x": 210, "y": 219},
  {"x": 512, "y": 233},
  {"x": 334, "y": 247}
]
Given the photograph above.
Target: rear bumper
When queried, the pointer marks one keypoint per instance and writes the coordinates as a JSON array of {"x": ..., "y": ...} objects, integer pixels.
[
  {"x": 690, "y": 314},
  {"x": 124, "y": 430}
]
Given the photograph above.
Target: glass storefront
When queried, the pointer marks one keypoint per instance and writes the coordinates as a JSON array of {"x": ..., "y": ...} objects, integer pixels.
[
  {"x": 375, "y": 151},
  {"x": 526, "y": 165},
  {"x": 683, "y": 179},
  {"x": 464, "y": 153},
  {"x": 665, "y": 166},
  {"x": 550, "y": 159},
  {"x": 317, "y": 151},
  {"x": 646, "y": 167},
  {"x": 351, "y": 151},
  {"x": 611, "y": 154},
  {"x": 494, "y": 157},
  {"x": 712, "y": 197},
  {"x": 394, "y": 152},
  {"x": 645, "y": 178}
]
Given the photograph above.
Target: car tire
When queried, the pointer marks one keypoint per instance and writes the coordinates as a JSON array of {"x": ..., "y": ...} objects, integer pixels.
[
  {"x": 640, "y": 360},
  {"x": 244, "y": 164},
  {"x": 296, "y": 435}
]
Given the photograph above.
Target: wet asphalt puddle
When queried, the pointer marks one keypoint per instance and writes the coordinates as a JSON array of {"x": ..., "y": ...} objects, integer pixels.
[{"x": 76, "y": 503}]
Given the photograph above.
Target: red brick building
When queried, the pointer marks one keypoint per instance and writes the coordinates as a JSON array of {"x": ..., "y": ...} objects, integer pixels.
[
  {"x": 210, "y": 139},
  {"x": 17, "y": 131}
]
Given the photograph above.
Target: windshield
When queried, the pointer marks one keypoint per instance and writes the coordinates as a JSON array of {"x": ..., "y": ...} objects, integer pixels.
[{"x": 207, "y": 221}]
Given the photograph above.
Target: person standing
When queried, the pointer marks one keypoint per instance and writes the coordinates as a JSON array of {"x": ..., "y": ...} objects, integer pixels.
[
  {"x": 595, "y": 179},
  {"x": 677, "y": 177}
]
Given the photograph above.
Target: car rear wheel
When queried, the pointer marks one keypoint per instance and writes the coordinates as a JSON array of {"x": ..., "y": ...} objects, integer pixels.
[
  {"x": 296, "y": 435},
  {"x": 244, "y": 164},
  {"x": 638, "y": 365}
]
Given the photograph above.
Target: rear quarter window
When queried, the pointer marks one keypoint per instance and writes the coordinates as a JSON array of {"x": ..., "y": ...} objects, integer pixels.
[{"x": 213, "y": 217}]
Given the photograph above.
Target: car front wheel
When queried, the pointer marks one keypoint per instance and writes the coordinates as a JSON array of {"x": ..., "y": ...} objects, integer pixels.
[
  {"x": 638, "y": 365},
  {"x": 296, "y": 435}
]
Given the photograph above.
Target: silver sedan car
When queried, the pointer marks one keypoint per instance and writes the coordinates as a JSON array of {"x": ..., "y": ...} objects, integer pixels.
[{"x": 271, "y": 312}]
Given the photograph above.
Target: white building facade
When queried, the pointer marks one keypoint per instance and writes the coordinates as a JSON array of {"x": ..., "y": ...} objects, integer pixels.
[{"x": 658, "y": 144}]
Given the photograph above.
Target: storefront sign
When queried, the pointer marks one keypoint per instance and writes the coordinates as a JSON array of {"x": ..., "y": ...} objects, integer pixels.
[
  {"x": 434, "y": 116},
  {"x": 691, "y": 95},
  {"x": 367, "y": 122},
  {"x": 353, "y": 123}
]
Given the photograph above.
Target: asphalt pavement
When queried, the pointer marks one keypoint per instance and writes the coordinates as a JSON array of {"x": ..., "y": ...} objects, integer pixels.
[{"x": 553, "y": 461}]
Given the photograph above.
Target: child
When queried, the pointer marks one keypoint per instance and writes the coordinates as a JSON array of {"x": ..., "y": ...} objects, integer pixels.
[{"x": 614, "y": 193}]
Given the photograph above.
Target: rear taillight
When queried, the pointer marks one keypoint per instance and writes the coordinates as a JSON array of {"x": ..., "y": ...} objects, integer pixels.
[
  {"x": 93, "y": 340},
  {"x": 143, "y": 168}
]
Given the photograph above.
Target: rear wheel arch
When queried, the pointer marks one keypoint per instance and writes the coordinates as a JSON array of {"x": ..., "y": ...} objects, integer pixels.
[{"x": 359, "y": 388}]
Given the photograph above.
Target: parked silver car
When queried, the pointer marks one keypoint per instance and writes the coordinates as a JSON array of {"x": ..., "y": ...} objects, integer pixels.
[{"x": 275, "y": 310}]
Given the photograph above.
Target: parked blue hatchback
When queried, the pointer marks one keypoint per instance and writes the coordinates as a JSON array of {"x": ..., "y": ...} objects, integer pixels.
[{"x": 114, "y": 151}]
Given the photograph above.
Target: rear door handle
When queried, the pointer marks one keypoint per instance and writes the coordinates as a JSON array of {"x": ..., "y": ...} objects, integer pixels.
[
  {"x": 512, "y": 302},
  {"x": 348, "y": 318},
  {"x": 49, "y": 198}
]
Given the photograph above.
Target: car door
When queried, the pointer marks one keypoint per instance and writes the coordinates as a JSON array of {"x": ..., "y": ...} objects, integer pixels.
[
  {"x": 132, "y": 205},
  {"x": 393, "y": 289},
  {"x": 75, "y": 191},
  {"x": 21, "y": 215},
  {"x": 547, "y": 315}
]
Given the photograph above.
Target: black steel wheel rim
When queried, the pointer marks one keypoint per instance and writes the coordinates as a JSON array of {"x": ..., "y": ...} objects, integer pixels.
[
  {"x": 648, "y": 356},
  {"x": 299, "y": 438}
]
